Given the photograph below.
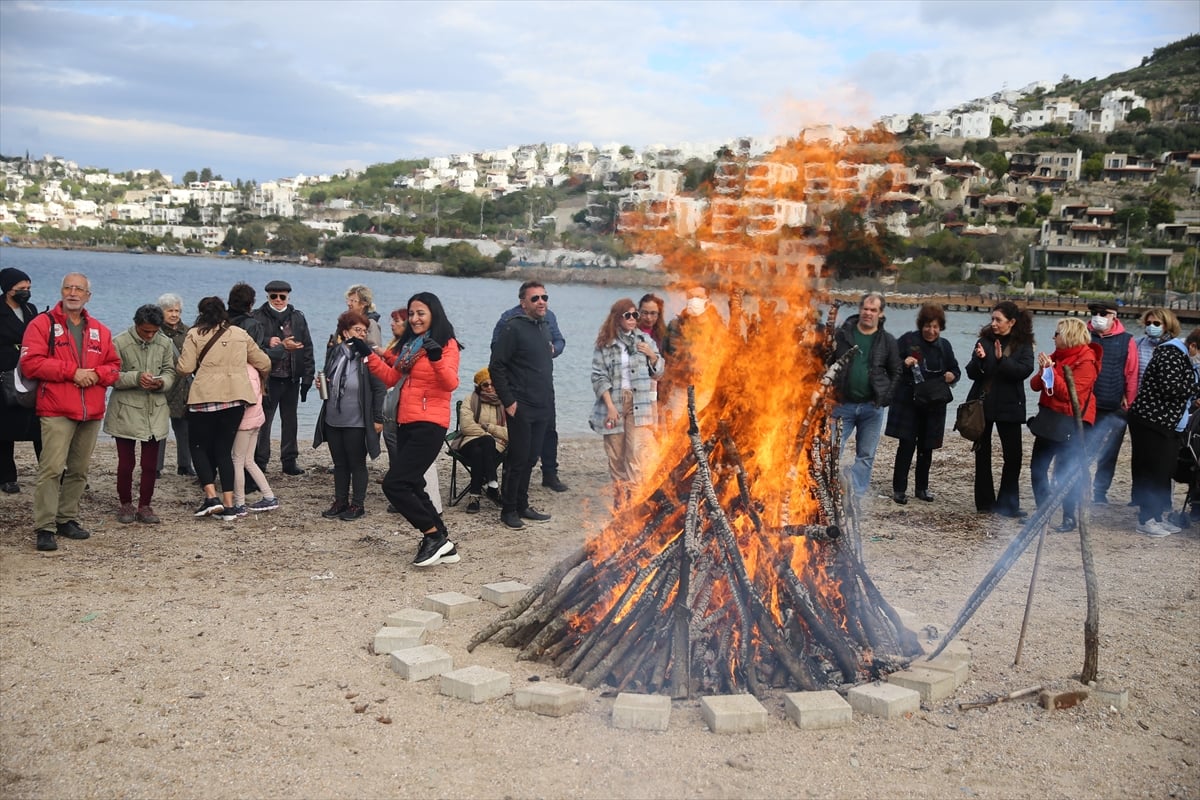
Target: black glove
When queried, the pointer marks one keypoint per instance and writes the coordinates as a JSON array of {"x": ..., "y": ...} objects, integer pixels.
[
  {"x": 305, "y": 385},
  {"x": 359, "y": 347},
  {"x": 433, "y": 350}
]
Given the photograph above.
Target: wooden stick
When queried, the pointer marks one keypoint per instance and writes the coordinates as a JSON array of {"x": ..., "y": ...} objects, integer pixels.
[
  {"x": 1003, "y": 698},
  {"x": 1091, "y": 622}
]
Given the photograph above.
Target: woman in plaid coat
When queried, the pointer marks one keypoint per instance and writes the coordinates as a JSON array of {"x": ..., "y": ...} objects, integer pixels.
[{"x": 625, "y": 365}]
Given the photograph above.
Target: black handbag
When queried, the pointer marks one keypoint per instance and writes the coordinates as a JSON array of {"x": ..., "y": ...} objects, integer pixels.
[
  {"x": 932, "y": 392},
  {"x": 1051, "y": 425}
]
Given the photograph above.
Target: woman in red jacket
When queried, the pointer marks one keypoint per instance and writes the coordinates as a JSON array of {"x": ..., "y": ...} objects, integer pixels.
[
  {"x": 1054, "y": 430},
  {"x": 427, "y": 370}
]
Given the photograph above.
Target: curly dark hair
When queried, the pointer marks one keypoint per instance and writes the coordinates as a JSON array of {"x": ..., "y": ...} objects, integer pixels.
[
  {"x": 931, "y": 312},
  {"x": 1022, "y": 331},
  {"x": 211, "y": 314},
  {"x": 149, "y": 314},
  {"x": 241, "y": 298}
]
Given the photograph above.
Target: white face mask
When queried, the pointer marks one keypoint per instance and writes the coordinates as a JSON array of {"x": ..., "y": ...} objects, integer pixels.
[
  {"x": 696, "y": 305},
  {"x": 1100, "y": 323},
  {"x": 1154, "y": 331}
]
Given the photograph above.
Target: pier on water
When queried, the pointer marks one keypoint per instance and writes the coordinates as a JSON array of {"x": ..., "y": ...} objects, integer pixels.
[{"x": 1189, "y": 315}]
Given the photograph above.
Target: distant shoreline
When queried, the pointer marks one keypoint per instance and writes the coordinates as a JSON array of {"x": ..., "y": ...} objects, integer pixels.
[{"x": 594, "y": 276}]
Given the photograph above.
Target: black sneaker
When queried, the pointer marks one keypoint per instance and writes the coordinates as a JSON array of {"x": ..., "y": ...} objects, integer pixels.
[
  {"x": 433, "y": 547},
  {"x": 210, "y": 506},
  {"x": 352, "y": 512},
  {"x": 531, "y": 513},
  {"x": 552, "y": 483},
  {"x": 45, "y": 541},
  {"x": 493, "y": 494},
  {"x": 71, "y": 530},
  {"x": 1068, "y": 525},
  {"x": 473, "y": 506},
  {"x": 292, "y": 469},
  {"x": 512, "y": 519},
  {"x": 450, "y": 558},
  {"x": 335, "y": 510},
  {"x": 923, "y": 494}
]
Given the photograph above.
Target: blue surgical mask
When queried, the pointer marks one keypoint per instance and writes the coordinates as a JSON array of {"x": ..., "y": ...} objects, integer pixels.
[{"x": 1154, "y": 331}]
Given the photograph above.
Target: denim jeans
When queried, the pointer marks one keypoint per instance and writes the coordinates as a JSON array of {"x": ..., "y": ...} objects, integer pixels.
[{"x": 865, "y": 421}]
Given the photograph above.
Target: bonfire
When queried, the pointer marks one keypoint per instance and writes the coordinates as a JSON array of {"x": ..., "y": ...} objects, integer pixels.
[{"x": 737, "y": 564}]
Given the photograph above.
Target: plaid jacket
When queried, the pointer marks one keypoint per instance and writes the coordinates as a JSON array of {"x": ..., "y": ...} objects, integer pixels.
[{"x": 606, "y": 375}]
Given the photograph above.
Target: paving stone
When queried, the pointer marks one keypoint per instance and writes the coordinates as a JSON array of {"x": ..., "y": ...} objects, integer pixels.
[
  {"x": 430, "y": 620},
  {"x": 389, "y": 638},
  {"x": 885, "y": 700},
  {"x": 504, "y": 593},
  {"x": 647, "y": 712},
  {"x": 931, "y": 684},
  {"x": 814, "y": 711},
  {"x": 1118, "y": 699},
  {"x": 475, "y": 684},
  {"x": 419, "y": 663},
  {"x": 907, "y": 618},
  {"x": 957, "y": 649},
  {"x": 959, "y": 667},
  {"x": 451, "y": 605},
  {"x": 1060, "y": 700},
  {"x": 550, "y": 699},
  {"x": 733, "y": 713}
]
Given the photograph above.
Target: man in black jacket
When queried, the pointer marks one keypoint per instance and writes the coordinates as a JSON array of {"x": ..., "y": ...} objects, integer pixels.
[
  {"x": 522, "y": 372},
  {"x": 865, "y": 387},
  {"x": 290, "y": 347}
]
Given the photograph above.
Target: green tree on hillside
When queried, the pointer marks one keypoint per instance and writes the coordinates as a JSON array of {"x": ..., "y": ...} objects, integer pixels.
[{"x": 1138, "y": 116}]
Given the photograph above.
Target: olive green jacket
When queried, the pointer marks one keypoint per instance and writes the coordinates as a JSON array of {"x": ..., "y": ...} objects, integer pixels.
[{"x": 133, "y": 412}]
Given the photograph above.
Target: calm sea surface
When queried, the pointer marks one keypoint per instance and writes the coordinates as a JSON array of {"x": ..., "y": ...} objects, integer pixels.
[{"x": 121, "y": 282}]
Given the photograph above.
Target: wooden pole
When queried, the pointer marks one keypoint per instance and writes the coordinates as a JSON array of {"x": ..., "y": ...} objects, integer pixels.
[{"x": 1091, "y": 622}]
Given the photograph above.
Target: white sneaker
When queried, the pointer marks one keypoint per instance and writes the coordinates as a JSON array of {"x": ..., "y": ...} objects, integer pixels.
[
  {"x": 1168, "y": 526},
  {"x": 1151, "y": 528}
]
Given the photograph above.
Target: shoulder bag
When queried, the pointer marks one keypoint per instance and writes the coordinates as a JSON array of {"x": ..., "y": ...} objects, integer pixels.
[{"x": 18, "y": 390}]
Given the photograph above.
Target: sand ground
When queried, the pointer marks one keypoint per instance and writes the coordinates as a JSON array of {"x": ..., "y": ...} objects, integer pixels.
[{"x": 207, "y": 659}]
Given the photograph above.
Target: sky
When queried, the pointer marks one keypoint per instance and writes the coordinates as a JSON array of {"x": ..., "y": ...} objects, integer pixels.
[{"x": 262, "y": 90}]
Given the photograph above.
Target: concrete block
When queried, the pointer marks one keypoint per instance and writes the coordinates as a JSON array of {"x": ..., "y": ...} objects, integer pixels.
[
  {"x": 958, "y": 667},
  {"x": 1114, "y": 698},
  {"x": 475, "y": 684},
  {"x": 931, "y": 684},
  {"x": 504, "y": 593},
  {"x": 957, "y": 649},
  {"x": 907, "y": 618},
  {"x": 1060, "y": 700},
  {"x": 389, "y": 639},
  {"x": 814, "y": 711},
  {"x": 733, "y": 713},
  {"x": 550, "y": 699},
  {"x": 429, "y": 620},
  {"x": 419, "y": 663},
  {"x": 451, "y": 605},
  {"x": 885, "y": 700},
  {"x": 647, "y": 712}
]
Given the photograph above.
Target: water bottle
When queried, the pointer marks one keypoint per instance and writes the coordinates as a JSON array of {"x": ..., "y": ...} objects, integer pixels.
[{"x": 918, "y": 376}]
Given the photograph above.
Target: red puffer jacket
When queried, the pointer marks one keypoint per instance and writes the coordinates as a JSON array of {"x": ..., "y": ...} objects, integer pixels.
[
  {"x": 58, "y": 396},
  {"x": 1084, "y": 361},
  {"x": 425, "y": 395}
]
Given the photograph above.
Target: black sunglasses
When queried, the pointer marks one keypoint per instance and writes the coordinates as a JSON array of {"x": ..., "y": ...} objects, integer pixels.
[
  {"x": 533, "y": 298},
  {"x": 277, "y": 295},
  {"x": 630, "y": 315}
]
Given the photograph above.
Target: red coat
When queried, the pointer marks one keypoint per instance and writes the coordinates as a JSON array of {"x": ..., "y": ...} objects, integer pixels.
[
  {"x": 425, "y": 395},
  {"x": 1084, "y": 361},
  {"x": 58, "y": 396}
]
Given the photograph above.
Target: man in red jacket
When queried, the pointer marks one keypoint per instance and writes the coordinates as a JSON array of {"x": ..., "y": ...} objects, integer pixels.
[{"x": 73, "y": 357}]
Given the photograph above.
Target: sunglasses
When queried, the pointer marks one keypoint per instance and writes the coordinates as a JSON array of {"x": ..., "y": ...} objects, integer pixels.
[
  {"x": 630, "y": 315},
  {"x": 533, "y": 298},
  {"x": 277, "y": 295}
]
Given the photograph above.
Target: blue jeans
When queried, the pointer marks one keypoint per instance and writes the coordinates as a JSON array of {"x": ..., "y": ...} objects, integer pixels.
[{"x": 865, "y": 420}]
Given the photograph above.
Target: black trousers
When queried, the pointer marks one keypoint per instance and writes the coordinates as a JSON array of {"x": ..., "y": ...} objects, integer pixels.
[
  {"x": 1008, "y": 499},
  {"x": 348, "y": 448},
  {"x": 482, "y": 459},
  {"x": 904, "y": 456},
  {"x": 417, "y": 447},
  {"x": 282, "y": 394},
  {"x": 526, "y": 437},
  {"x": 211, "y": 435}
]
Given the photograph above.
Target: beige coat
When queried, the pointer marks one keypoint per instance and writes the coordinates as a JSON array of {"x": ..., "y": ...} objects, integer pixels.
[{"x": 222, "y": 378}]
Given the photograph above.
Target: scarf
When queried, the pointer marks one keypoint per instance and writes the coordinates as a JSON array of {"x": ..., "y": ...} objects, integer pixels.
[
  {"x": 490, "y": 397},
  {"x": 336, "y": 373},
  {"x": 409, "y": 353}
]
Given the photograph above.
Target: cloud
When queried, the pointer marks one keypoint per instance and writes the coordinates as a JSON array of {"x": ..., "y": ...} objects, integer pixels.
[{"x": 260, "y": 90}]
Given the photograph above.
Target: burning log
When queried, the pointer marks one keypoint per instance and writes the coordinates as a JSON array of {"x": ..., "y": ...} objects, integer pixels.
[{"x": 706, "y": 596}]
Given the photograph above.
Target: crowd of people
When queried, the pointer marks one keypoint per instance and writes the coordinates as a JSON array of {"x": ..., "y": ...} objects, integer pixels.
[{"x": 218, "y": 383}]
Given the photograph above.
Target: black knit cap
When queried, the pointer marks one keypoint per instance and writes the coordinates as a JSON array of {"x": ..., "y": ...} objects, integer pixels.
[{"x": 10, "y": 277}]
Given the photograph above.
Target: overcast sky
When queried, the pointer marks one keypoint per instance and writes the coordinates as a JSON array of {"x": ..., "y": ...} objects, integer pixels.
[{"x": 269, "y": 89}]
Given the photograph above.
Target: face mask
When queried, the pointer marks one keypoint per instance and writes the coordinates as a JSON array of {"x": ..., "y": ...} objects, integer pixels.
[
  {"x": 1154, "y": 331},
  {"x": 1100, "y": 323},
  {"x": 696, "y": 305},
  {"x": 22, "y": 296}
]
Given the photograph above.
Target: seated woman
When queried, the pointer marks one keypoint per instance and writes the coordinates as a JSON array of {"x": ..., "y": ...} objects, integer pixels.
[{"x": 483, "y": 436}]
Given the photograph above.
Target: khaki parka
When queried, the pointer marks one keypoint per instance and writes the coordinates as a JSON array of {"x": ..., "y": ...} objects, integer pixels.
[{"x": 133, "y": 412}]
